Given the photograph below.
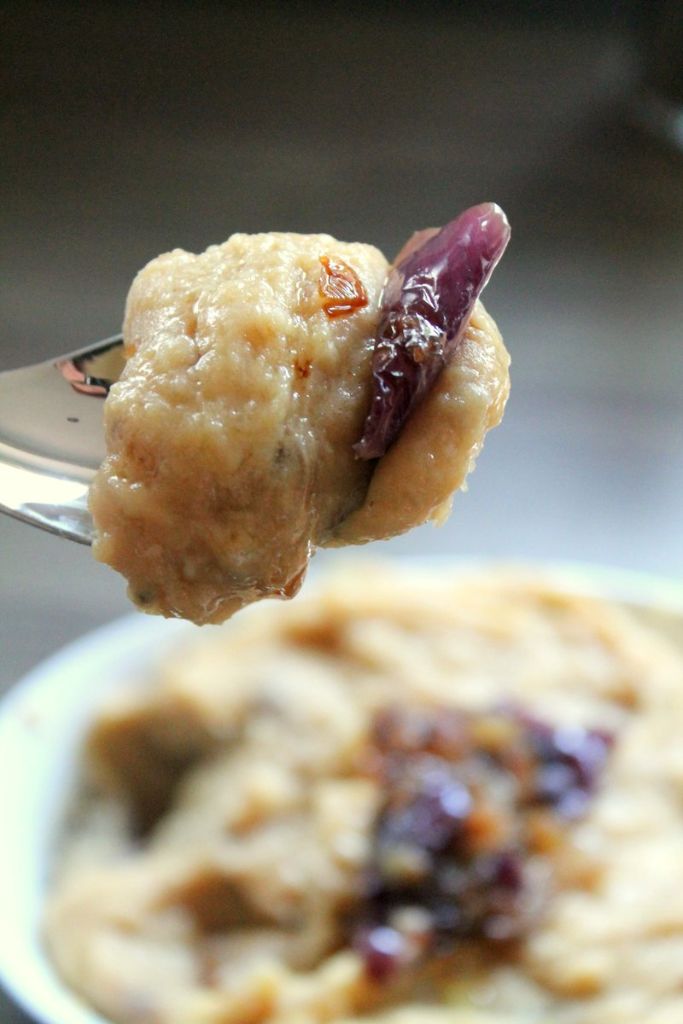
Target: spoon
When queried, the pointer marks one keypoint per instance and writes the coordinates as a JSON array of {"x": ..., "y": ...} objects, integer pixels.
[
  {"x": 51, "y": 433},
  {"x": 52, "y": 439}
]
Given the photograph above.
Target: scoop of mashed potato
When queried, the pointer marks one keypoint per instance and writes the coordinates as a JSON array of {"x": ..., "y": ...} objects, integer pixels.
[
  {"x": 234, "y": 821},
  {"x": 230, "y": 434}
]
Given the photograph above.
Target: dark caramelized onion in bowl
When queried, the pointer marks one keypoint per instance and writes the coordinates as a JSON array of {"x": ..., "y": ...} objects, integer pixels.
[{"x": 468, "y": 802}]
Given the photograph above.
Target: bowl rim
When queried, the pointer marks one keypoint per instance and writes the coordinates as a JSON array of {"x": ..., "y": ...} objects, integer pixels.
[
  {"x": 41, "y": 720},
  {"x": 44, "y": 714}
]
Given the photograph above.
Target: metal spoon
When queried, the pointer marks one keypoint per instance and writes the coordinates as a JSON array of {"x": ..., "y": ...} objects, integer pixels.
[{"x": 51, "y": 437}]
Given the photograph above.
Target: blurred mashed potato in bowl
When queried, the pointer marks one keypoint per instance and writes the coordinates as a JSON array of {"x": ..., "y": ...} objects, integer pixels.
[{"x": 415, "y": 794}]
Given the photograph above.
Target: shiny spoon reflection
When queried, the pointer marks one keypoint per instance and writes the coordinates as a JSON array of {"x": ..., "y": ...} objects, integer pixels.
[{"x": 51, "y": 437}]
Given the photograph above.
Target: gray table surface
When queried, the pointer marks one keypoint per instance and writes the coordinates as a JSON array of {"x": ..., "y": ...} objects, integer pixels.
[{"x": 121, "y": 140}]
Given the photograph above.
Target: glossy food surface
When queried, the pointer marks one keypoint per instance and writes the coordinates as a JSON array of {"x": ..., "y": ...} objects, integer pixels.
[{"x": 428, "y": 299}]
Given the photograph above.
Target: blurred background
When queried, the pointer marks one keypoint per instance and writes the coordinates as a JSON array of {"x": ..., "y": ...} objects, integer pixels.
[{"x": 132, "y": 128}]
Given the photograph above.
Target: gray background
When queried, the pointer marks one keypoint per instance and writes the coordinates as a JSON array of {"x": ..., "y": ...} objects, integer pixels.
[{"x": 129, "y": 129}]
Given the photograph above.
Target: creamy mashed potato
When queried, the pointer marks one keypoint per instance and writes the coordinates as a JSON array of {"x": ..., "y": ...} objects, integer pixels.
[
  {"x": 230, "y": 432},
  {"x": 229, "y": 813}
]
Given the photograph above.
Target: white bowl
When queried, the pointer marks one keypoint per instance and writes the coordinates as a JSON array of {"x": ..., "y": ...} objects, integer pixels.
[
  {"x": 42, "y": 721},
  {"x": 41, "y": 724}
]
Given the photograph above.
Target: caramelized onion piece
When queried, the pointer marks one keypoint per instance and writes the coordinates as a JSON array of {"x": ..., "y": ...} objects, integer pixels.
[
  {"x": 427, "y": 301},
  {"x": 340, "y": 288}
]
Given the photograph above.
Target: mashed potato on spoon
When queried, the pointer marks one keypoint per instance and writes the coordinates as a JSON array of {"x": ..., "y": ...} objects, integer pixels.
[{"x": 285, "y": 392}]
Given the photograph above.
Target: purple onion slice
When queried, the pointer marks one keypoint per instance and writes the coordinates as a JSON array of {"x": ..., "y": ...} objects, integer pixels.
[{"x": 428, "y": 299}]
